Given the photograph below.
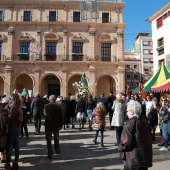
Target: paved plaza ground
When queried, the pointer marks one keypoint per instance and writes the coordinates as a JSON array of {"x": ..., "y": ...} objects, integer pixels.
[{"x": 79, "y": 152}]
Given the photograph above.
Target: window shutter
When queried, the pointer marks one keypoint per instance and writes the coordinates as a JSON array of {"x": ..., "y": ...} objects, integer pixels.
[{"x": 159, "y": 22}]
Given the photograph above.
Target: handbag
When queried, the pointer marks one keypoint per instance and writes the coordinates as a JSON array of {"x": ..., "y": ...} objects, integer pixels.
[{"x": 96, "y": 126}]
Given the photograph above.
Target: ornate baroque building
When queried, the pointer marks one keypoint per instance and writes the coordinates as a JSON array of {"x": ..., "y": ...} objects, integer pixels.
[{"x": 46, "y": 45}]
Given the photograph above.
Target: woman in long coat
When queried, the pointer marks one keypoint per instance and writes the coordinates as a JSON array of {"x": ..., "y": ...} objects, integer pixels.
[
  {"x": 136, "y": 140},
  {"x": 118, "y": 119}
]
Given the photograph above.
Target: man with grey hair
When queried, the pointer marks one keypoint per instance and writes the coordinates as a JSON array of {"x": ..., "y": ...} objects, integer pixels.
[
  {"x": 53, "y": 123},
  {"x": 136, "y": 139}
]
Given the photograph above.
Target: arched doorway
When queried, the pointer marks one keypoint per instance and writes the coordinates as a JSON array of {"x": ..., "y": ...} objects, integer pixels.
[
  {"x": 1, "y": 86},
  {"x": 73, "y": 79},
  {"x": 23, "y": 81},
  {"x": 50, "y": 85},
  {"x": 105, "y": 84}
]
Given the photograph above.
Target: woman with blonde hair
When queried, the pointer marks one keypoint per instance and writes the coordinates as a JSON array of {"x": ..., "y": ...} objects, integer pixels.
[{"x": 100, "y": 113}]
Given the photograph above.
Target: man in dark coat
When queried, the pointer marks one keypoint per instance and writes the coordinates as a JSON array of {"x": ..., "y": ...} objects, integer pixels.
[
  {"x": 37, "y": 107},
  {"x": 53, "y": 123},
  {"x": 110, "y": 100},
  {"x": 136, "y": 140}
]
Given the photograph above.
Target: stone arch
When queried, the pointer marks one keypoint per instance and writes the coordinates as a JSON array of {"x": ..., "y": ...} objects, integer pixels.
[
  {"x": 72, "y": 79},
  {"x": 22, "y": 81},
  {"x": 25, "y": 37},
  {"x": 106, "y": 38},
  {"x": 50, "y": 84},
  {"x": 51, "y": 36},
  {"x": 78, "y": 37},
  {"x": 105, "y": 83}
]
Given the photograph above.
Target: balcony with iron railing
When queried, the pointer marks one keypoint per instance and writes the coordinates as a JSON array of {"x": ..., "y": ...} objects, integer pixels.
[{"x": 57, "y": 58}]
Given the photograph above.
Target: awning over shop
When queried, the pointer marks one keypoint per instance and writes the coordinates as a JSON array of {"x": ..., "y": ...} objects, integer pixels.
[
  {"x": 161, "y": 87},
  {"x": 160, "y": 76}
]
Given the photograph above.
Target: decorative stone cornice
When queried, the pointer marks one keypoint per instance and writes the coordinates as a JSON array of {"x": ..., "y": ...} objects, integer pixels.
[
  {"x": 92, "y": 31},
  {"x": 10, "y": 30},
  {"x": 118, "y": 9},
  {"x": 120, "y": 33}
]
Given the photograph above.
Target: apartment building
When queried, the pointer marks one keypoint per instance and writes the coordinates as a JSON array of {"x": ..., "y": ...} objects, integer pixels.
[
  {"x": 160, "y": 23},
  {"x": 46, "y": 46},
  {"x": 143, "y": 50},
  {"x": 132, "y": 70}
]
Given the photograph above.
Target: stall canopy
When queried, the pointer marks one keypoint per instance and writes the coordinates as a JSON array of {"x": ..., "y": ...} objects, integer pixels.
[
  {"x": 162, "y": 87},
  {"x": 160, "y": 76}
]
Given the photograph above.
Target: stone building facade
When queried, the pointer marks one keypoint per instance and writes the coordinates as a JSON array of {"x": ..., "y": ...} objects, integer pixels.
[{"x": 47, "y": 45}]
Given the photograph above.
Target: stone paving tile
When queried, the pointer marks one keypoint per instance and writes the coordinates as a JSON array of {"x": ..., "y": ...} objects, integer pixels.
[{"x": 78, "y": 152}]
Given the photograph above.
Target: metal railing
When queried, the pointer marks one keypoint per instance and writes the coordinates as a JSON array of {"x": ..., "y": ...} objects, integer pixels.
[{"x": 57, "y": 58}]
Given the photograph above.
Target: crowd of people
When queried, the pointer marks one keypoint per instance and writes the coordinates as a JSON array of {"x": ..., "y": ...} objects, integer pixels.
[{"x": 132, "y": 117}]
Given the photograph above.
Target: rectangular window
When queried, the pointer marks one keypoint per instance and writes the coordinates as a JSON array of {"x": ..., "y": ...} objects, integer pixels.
[
  {"x": 161, "y": 52},
  {"x": 24, "y": 47},
  {"x": 135, "y": 66},
  {"x": 128, "y": 76},
  {"x": 105, "y": 17},
  {"x": 27, "y": 15},
  {"x": 52, "y": 16},
  {"x": 128, "y": 66},
  {"x": 151, "y": 51},
  {"x": 51, "y": 48},
  {"x": 106, "y": 51},
  {"x": 159, "y": 22},
  {"x": 160, "y": 42},
  {"x": 1, "y": 15},
  {"x": 151, "y": 43},
  {"x": 146, "y": 69},
  {"x": 145, "y": 60},
  {"x": 145, "y": 52},
  {"x": 145, "y": 43},
  {"x": 135, "y": 76},
  {"x": 76, "y": 16},
  {"x": 78, "y": 47}
]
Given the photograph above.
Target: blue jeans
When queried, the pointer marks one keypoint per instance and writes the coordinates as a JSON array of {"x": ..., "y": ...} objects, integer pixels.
[
  {"x": 101, "y": 135},
  {"x": 12, "y": 142},
  {"x": 165, "y": 134},
  {"x": 89, "y": 113}
]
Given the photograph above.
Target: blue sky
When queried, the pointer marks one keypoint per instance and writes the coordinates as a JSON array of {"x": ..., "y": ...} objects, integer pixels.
[{"x": 136, "y": 12}]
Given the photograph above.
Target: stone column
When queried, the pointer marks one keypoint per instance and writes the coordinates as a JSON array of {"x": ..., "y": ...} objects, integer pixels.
[
  {"x": 65, "y": 45},
  {"x": 37, "y": 83},
  {"x": 120, "y": 45},
  {"x": 121, "y": 79},
  {"x": 64, "y": 85},
  {"x": 10, "y": 42},
  {"x": 92, "y": 79},
  {"x": 91, "y": 44},
  {"x": 8, "y": 79}
]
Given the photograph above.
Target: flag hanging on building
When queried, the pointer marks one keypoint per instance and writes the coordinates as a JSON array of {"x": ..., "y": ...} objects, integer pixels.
[{"x": 34, "y": 47}]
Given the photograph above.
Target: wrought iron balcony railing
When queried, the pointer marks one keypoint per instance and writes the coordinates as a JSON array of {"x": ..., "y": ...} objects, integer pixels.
[{"x": 47, "y": 57}]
